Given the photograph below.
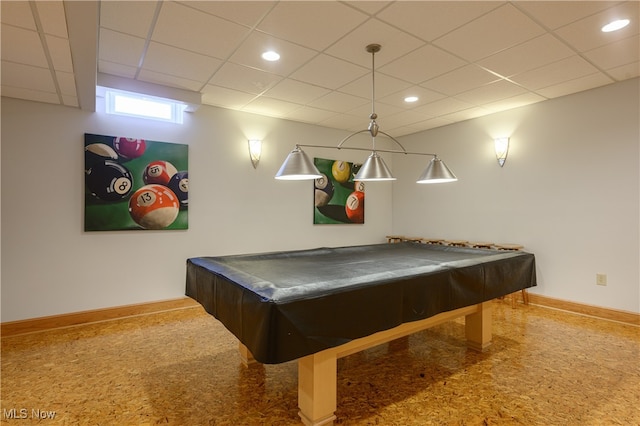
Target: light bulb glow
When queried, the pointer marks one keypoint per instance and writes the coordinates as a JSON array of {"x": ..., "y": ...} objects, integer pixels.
[
  {"x": 615, "y": 25},
  {"x": 270, "y": 56}
]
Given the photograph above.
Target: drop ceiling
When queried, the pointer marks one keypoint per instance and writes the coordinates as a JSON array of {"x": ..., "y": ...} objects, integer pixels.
[{"x": 461, "y": 59}]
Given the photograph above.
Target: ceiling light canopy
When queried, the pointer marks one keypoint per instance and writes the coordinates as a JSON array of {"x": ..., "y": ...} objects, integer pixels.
[{"x": 298, "y": 166}]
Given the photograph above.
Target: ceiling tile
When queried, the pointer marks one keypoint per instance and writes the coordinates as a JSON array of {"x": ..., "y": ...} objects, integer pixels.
[
  {"x": 30, "y": 95},
  {"x": 244, "y": 79},
  {"x": 292, "y": 56},
  {"x": 555, "y": 73},
  {"x": 369, "y": 7},
  {"x": 179, "y": 63},
  {"x": 227, "y": 98},
  {"x": 60, "y": 53},
  {"x": 394, "y": 43},
  {"x": 422, "y": 64},
  {"x": 615, "y": 54},
  {"x": 270, "y": 107},
  {"x": 169, "y": 80},
  {"x": 120, "y": 48},
  {"x": 17, "y": 13},
  {"x": 120, "y": 70},
  {"x": 67, "y": 83},
  {"x": 382, "y": 110},
  {"x": 497, "y": 30},
  {"x": 443, "y": 107},
  {"x": 384, "y": 86},
  {"x": 625, "y": 72},
  {"x": 429, "y": 20},
  {"x": 513, "y": 102},
  {"x": 555, "y": 14},
  {"x": 585, "y": 34},
  {"x": 460, "y": 80},
  {"x": 29, "y": 51},
  {"x": 247, "y": 13},
  {"x": 424, "y": 95},
  {"x": 129, "y": 17},
  {"x": 328, "y": 72},
  {"x": 491, "y": 92},
  {"x": 339, "y": 102},
  {"x": 52, "y": 17},
  {"x": 309, "y": 115},
  {"x": 343, "y": 121},
  {"x": 71, "y": 101},
  {"x": 296, "y": 91},
  {"x": 27, "y": 77},
  {"x": 526, "y": 56},
  {"x": 465, "y": 114},
  {"x": 186, "y": 28},
  {"x": 575, "y": 85},
  {"x": 307, "y": 22},
  {"x": 401, "y": 118}
]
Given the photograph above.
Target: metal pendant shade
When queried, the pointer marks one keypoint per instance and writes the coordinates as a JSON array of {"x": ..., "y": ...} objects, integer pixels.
[
  {"x": 374, "y": 169},
  {"x": 298, "y": 166},
  {"x": 437, "y": 172}
]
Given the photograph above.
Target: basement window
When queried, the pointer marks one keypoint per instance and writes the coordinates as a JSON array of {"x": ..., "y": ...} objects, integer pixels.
[{"x": 143, "y": 106}]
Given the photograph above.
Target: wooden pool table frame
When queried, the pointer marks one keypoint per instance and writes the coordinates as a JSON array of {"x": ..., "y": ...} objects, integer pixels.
[{"x": 317, "y": 373}]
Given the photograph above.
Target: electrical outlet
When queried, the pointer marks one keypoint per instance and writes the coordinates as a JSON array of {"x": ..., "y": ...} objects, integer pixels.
[{"x": 601, "y": 279}]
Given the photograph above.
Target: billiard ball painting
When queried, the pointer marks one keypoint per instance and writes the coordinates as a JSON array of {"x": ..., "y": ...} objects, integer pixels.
[
  {"x": 338, "y": 198},
  {"x": 135, "y": 184}
]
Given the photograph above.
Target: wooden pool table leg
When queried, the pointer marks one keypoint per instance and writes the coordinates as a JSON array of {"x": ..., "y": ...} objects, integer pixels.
[
  {"x": 245, "y": 355},
  {"x": 317, "y": 387},
  {"x": 478, "y": 327}
]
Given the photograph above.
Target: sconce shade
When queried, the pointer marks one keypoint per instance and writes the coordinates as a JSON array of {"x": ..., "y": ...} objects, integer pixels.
[
  {"x": 297, "y": 166},
  {"x": 374, "y": 169},
  {"x": 502, "y": 149},
  {"x": 437, "y": 172},
  {"x": 255, "y": 150}
]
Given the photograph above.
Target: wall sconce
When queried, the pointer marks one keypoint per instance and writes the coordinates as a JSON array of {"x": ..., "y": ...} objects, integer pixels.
[
  {"x": 502, "y": 149},
  {"x": 255, "y": 149}
]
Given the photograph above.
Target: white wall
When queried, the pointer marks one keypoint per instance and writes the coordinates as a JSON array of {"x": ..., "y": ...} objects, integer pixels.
[
  {"x": 51, "y": 266},
  {"x": 569, "y": 191}
]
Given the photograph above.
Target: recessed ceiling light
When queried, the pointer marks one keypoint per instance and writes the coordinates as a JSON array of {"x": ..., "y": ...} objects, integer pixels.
[
  {"x": 270, "y": 55},
  {"x": 615, "y": 25},
  {"x": 410, "y": 99}
]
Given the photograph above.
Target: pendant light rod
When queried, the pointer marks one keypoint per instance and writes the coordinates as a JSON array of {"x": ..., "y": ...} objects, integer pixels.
[
  {"x": 367, "y": 130},
  {"x": 392, "y": 151},
  {"x": 373, "y": 49}
]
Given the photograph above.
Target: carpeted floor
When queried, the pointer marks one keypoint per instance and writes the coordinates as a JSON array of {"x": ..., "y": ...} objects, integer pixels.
[{"x": 545, "y": 367}]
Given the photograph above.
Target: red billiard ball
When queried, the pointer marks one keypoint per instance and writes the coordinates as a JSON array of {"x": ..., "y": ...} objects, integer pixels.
[
  {"x": 179, "y": 184},
  {"x": 354, "y": 207},
  {"x": 129, "y": 147},
  {"x": 154, "y": 206},
  {"x": 108, "y": 180},
  {"x": 159, "y": 172}
]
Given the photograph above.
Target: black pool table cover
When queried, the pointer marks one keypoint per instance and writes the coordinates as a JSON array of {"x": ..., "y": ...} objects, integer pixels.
[{"x": 286, "y": 305}]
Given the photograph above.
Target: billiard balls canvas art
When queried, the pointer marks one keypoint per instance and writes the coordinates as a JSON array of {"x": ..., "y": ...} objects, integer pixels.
[
  {"x": 338, "y": 197},
  {"x": 135, "y": 184}
]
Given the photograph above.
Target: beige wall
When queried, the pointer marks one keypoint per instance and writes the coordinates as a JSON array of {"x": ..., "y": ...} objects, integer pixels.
[
  {"x": 569, "y": 191},
  {"x": 51, "y": 266}
]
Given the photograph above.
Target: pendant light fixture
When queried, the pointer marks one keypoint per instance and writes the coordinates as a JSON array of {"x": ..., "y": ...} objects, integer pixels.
[{"x": 298, "y": 166}]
